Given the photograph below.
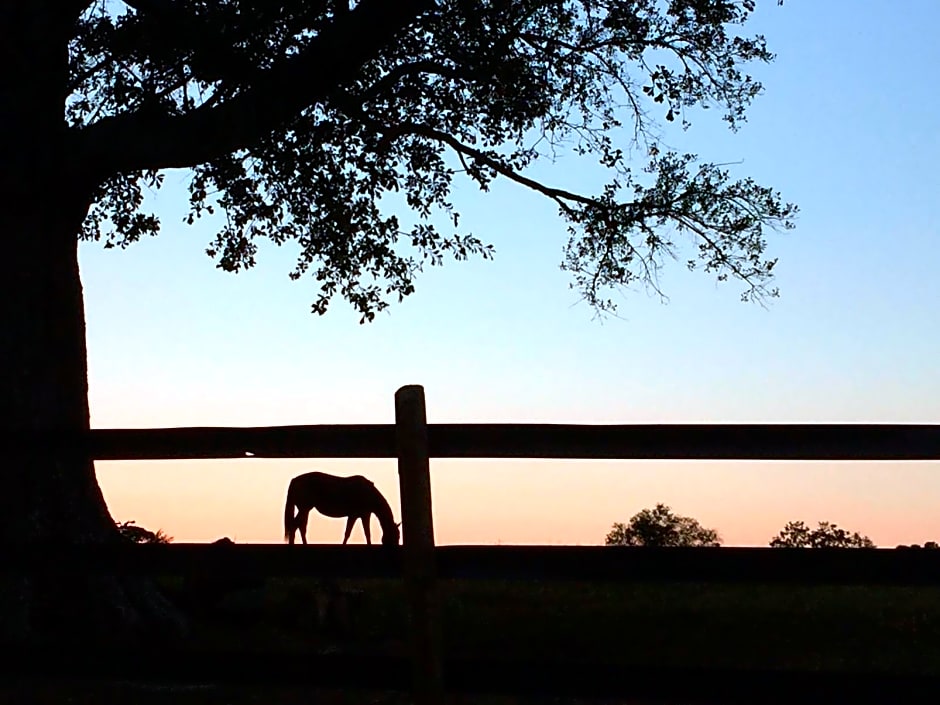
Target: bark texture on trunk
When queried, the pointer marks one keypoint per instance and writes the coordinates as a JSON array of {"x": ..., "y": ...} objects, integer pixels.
[{"x": 43, "y": 367}]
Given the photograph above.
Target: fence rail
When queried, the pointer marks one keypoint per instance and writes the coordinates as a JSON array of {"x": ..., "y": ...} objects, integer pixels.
[
  {"x": 880, "y": 566},
  {"x": 413, "y": 442},
  {"x": 573, "y": 441}
]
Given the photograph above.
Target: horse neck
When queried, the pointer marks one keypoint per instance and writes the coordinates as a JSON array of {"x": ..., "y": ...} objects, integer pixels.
[{"x": 383, "y": 512}]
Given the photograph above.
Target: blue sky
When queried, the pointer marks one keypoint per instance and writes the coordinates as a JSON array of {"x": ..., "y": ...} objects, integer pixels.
[{"x": 846, "y": 128}]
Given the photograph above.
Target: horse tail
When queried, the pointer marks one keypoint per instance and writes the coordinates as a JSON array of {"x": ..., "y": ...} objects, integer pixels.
[{"x": 289, "y": 512}]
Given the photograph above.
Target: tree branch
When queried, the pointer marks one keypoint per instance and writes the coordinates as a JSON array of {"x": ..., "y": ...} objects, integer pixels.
[
  {"x": 140, "y": 140},
  {"x": 560, "y": 196},
  {"x": 73, "y": 8},
  {"x": 426, "y": 66},
  {"x": 149, "y": 6}
]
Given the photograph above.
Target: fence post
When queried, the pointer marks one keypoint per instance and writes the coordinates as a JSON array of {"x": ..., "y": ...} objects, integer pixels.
[{"x": 414, "y": 478}]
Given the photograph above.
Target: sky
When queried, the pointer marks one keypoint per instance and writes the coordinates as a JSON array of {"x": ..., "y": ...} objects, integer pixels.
[{"x": 846, "y": 128}]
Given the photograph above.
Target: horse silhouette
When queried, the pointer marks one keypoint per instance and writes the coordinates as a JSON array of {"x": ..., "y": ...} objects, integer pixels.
[{"x": 353, "y": 497}]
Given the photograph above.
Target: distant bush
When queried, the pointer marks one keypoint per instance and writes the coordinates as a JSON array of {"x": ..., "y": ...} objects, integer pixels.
[
  {"x": 796, "y": 534},
  {"x": 927, "y": 544},
  {"x": 660, "y": 527},
  {"x": 139, "y": 534}
]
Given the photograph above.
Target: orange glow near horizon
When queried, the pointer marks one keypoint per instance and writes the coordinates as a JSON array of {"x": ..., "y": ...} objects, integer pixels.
[{"x": 535, "y": 501}]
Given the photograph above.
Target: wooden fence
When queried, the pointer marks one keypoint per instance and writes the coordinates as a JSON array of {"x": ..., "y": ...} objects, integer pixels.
[{"x": 413, "y": 442}]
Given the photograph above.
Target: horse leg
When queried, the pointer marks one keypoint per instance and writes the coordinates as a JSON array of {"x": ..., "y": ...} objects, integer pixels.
[
  {"x": 349, "y": 527},
  {"x": 302, "y": 517},
  {"x": 366, "y": 528}
]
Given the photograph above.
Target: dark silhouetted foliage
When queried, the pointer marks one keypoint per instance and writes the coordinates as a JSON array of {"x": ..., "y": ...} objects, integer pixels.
[
  {"x": 795, "y": 534},
  {"x": 420, "y": 92},
  {"x": 139, "y": 534},
  {"x": 660, "y": 527},
  {"x": 927, "y": 544}
]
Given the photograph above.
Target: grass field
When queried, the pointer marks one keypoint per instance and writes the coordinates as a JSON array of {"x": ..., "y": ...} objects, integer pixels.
[
  {"x": 883, "y": 629},
  {"x": 153, "y": 694},
  {"x": 889, "y": 629}
]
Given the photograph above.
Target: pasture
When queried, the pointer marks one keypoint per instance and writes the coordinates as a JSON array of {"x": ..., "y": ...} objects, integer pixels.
[
  {"x": 881, "y": 630},
  {"x": 884, "y": 629},
  {"x": 892, "y": 630}
]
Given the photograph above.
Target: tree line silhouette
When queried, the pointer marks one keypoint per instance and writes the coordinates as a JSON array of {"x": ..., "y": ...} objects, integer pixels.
[{"x": 662, "y": 527}]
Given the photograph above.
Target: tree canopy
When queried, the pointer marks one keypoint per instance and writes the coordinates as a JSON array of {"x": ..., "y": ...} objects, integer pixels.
[
  {"x": 661, "y": 527},
  {"x": 303, "y": 121},
  {"x": 796, "y": 534}
]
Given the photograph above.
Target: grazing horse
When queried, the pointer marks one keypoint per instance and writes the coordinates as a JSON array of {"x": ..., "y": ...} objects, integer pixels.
[{"x": 352, "y": 497}]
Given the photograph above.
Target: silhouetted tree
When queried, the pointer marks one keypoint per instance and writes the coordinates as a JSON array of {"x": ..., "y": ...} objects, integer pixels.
[
  {"x": 659, "y": 527},
  {"x": 795, "y": 534},
  {"x": 299, "y": 119},
  {"x": 139, "y": 534}
]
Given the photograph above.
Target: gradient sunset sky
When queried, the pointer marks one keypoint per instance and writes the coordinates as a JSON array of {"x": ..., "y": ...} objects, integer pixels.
[{"x": 847, "y": 129}]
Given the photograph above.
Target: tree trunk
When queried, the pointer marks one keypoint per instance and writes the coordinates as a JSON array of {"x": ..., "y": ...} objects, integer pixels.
[
  {"x": 43, "y": 387},
  {"x": 43, "y": 366}
]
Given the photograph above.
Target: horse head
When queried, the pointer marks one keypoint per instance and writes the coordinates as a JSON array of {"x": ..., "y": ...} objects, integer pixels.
[{"x": 391, "y": 537}]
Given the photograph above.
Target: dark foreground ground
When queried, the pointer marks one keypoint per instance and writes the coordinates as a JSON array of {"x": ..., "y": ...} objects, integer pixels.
[
  {"x": 155, "y": 694},
  {"x": 885, "y": 630}
]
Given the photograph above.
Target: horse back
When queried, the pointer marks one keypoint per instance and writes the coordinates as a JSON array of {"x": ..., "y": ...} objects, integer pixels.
[{"x": 333, "y": 495}]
